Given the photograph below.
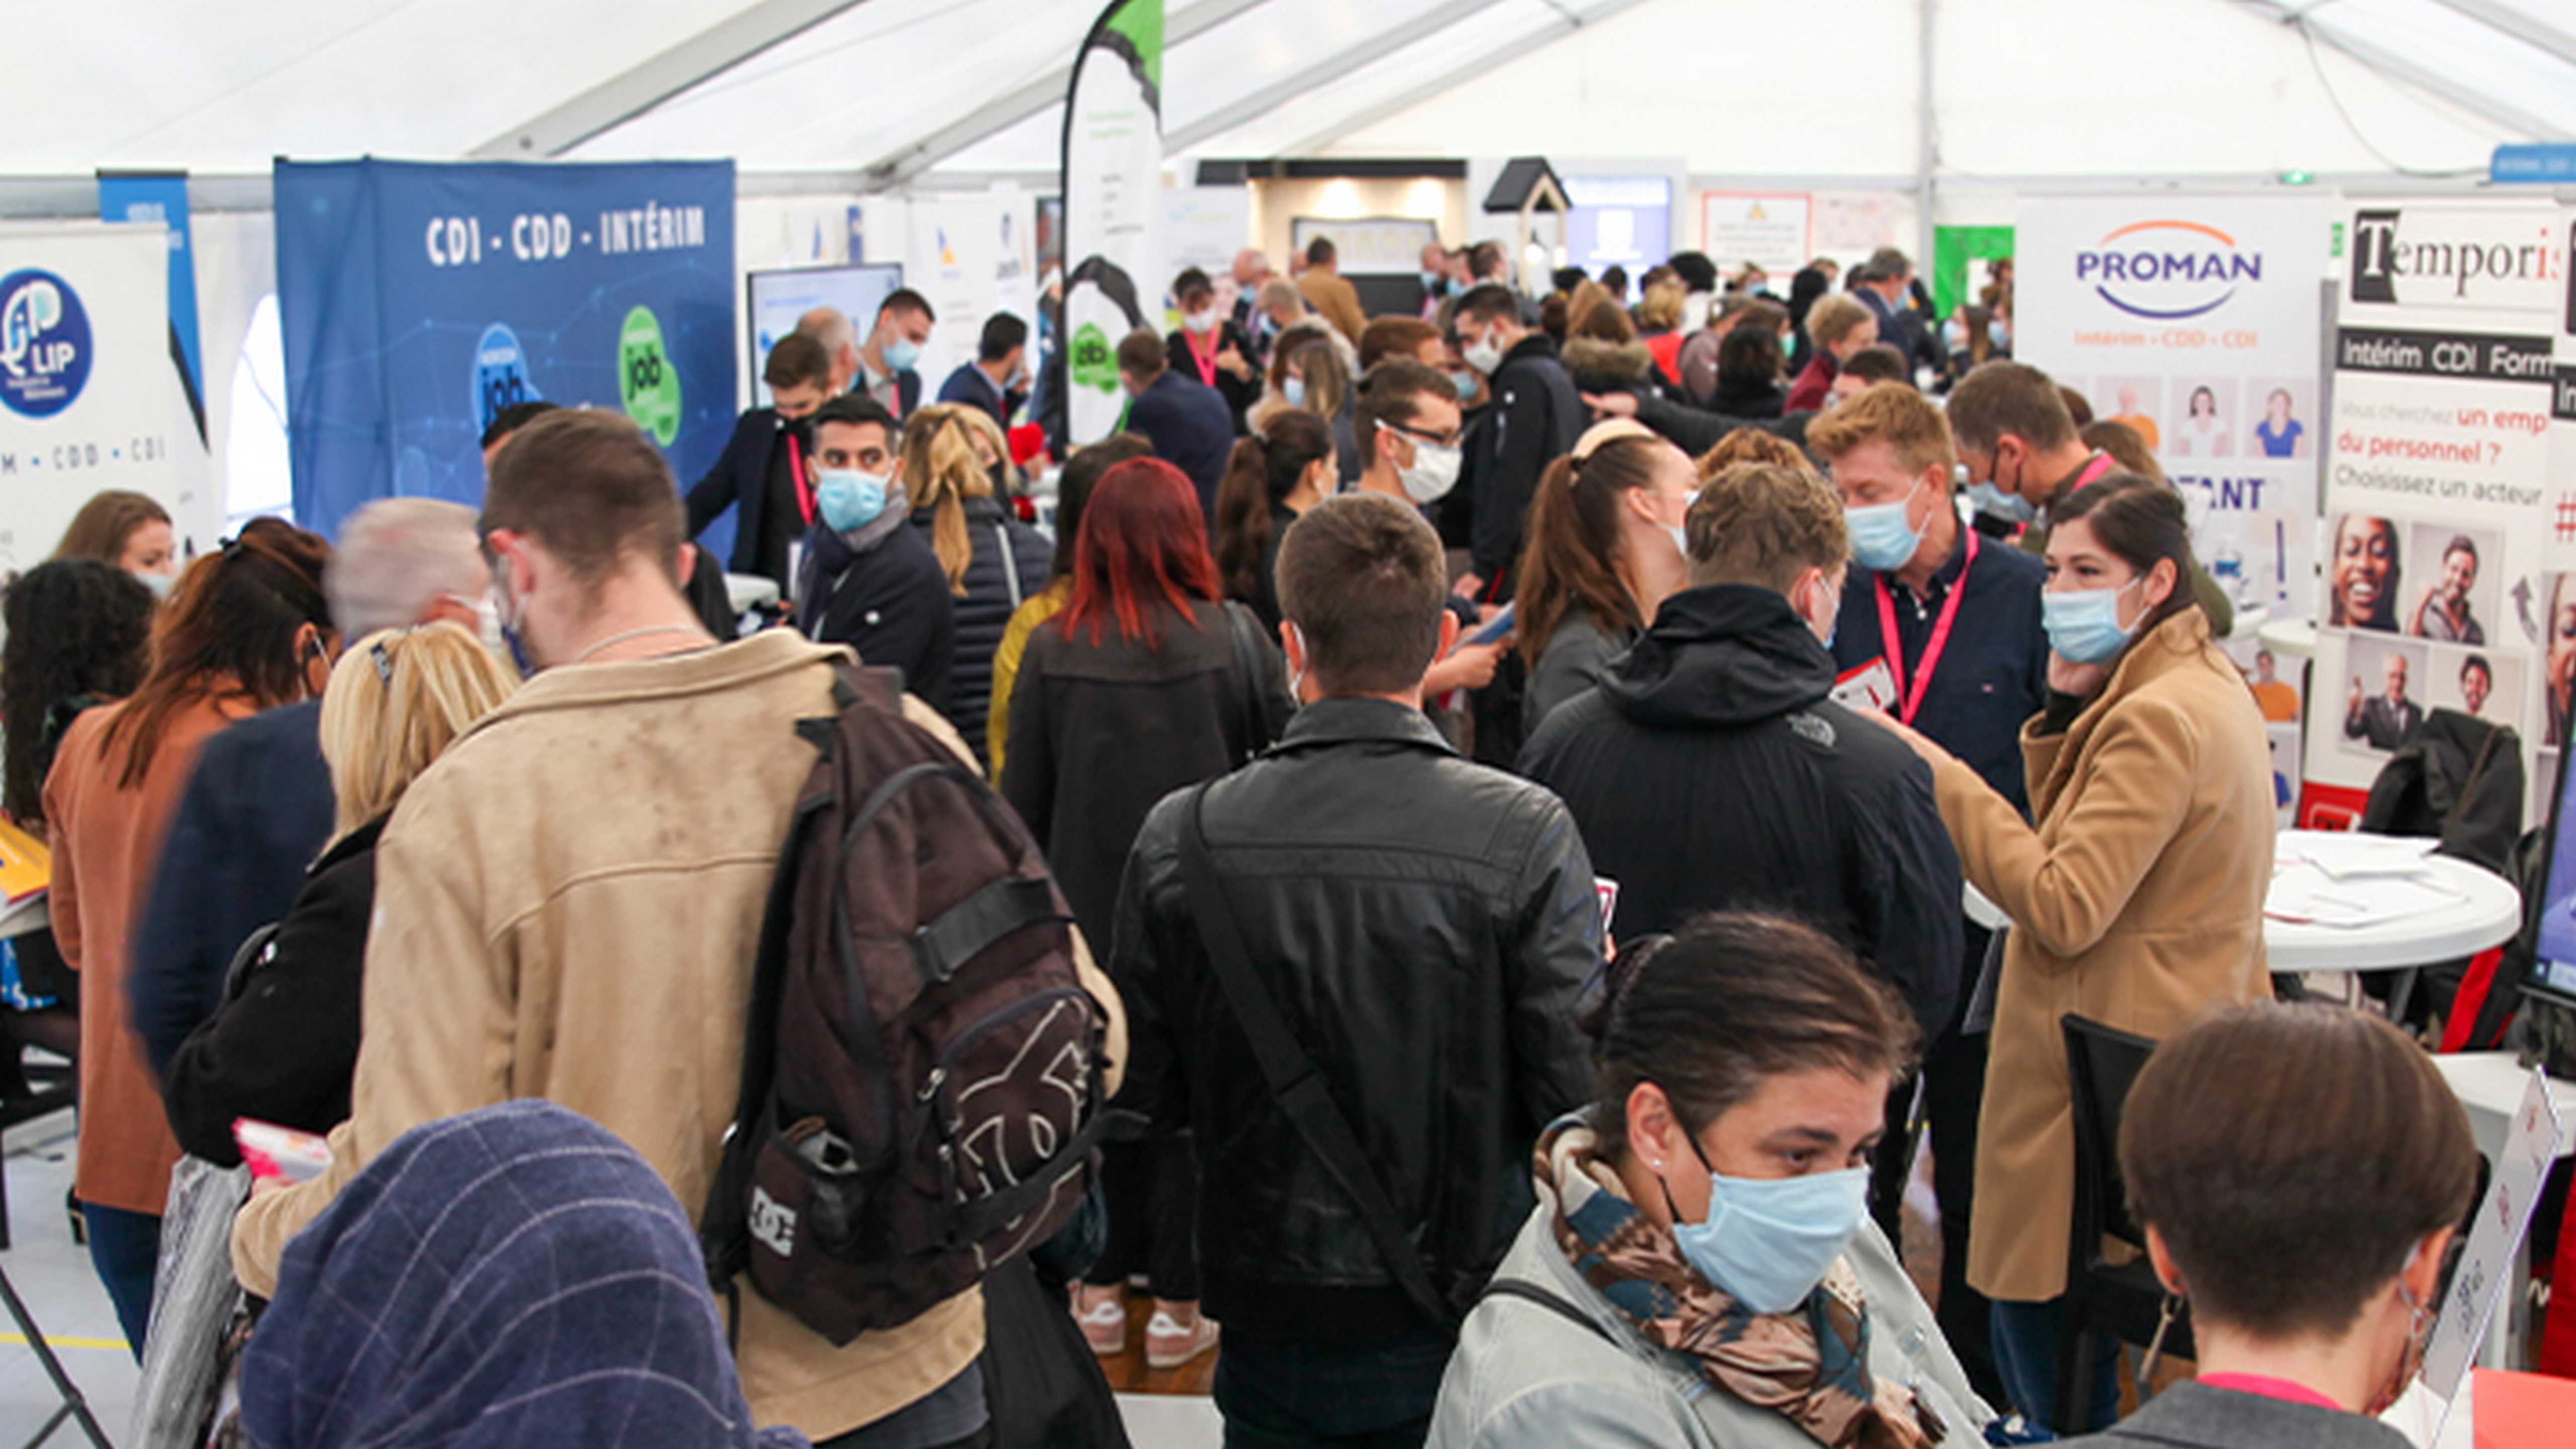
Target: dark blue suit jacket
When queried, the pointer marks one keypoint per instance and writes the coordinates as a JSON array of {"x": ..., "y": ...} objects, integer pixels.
[
  {"x": 1191, "y": 428},
  {"x": 971, "y": 385},
  {"x": 258, "y": 811}
]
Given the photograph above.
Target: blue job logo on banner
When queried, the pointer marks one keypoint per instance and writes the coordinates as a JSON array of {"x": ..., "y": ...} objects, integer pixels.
[
  {"x": 500, "y": 375},
  {"x": 45, "y": 349}
]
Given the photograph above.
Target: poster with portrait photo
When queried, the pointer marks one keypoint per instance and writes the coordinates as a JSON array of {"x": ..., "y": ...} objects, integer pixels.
[
  {"x": 2364, "y": 577},
  {"x": 2485, "y": 683},
  {"x": 2136, "y": 400},
  {"x": 2380, "y": 701},
  {"x": 2204, "y": 422},
  {"x": 2277, "y": 682},
  {"x": 2557, "y": 655},
  {"x": 2280, "y": 417},
  {"x": 2285, "y": 770},
  {"x": 2455, "y": 586}
]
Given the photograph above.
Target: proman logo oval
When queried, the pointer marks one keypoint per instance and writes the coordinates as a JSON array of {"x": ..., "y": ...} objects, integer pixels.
[{"x": 2167, "y": 270}]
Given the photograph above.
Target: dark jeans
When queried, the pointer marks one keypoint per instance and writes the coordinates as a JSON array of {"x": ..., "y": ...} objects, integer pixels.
[
  {"x": 1330, "y": 1396},
  {"x": 1152, "y": 1188},
  {"x": 935, "y": 1422},
  {"x": 125, "y": 1248},
  {"x": 1953, "y": 1081},
  {"x": 2027, "y": 1339}
]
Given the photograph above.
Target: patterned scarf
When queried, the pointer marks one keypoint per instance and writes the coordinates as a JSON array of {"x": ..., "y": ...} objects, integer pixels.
[{"x": 1811, "y": 1365}]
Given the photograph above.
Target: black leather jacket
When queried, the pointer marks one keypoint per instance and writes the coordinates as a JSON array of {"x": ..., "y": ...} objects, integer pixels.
[{"x": 1425, "y": 925}]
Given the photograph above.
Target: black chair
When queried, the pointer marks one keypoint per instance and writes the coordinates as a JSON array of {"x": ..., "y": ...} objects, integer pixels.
[{"x": 2121, "y": 1301}]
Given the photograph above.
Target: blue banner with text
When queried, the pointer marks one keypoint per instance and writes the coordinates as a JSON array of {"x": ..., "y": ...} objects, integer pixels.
[{"x": 421, "y": 299}]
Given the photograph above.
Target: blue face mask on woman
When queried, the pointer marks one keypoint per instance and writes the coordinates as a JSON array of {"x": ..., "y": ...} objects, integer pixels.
[
  {"x": 1769, "y": 1241},
  {"x": 1294, "y": 390},
  {"x": 848, "y": 498},
  {"x": 2084, "y": 624},
  {"x": 1881, "y": 536}
]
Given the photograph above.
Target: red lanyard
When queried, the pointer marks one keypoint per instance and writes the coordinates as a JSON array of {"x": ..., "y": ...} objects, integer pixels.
[
  {"x": 2101, "y": 463},
  {"x": 1909, "y": 701},
  {"x": 1203, "y": 352},
  {"x": 804, "y": 485}
]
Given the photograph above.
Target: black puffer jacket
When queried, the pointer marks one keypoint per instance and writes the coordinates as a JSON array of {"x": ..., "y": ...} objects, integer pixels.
[
  {"x": 1010, "y": 563},
  {"x": 1710, "y": 771},
  {"x": 1425, "y": 926}
]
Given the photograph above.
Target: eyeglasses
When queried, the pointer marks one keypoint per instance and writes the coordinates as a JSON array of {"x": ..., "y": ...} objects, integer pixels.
[{"x": 1443, "y": 440}]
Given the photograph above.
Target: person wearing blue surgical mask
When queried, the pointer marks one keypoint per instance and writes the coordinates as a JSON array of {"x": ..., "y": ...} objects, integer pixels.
[
  {"x": 864, "y": 579},
  {"x": 2135, "y": 891},
  {"x": 1700, "y": 1268},
  {"x": 893, "y": 351}
]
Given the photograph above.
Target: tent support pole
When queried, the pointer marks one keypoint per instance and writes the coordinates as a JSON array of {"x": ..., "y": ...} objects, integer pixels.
[{"x": 1928, "y": 152}]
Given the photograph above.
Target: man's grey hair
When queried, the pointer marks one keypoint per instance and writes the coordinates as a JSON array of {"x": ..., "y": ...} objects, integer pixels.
[
  {"x": 831, "y": 327},
  {"x": 1280, "y": 292},
  {"x": 397, "y": 557}
]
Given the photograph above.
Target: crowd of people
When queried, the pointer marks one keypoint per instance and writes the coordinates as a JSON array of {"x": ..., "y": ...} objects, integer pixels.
[{"x": 1517, "y": 766}]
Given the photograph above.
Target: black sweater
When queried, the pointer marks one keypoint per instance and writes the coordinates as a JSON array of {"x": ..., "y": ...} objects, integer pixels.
[{"x": 284, "y": 1043}]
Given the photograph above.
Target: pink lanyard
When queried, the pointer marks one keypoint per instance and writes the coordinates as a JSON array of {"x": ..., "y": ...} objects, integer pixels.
[
  {"x": 1909, "y": 701},
  {"x": 1204, "y": 357},
  {"x": 2270, "y": 1388}
]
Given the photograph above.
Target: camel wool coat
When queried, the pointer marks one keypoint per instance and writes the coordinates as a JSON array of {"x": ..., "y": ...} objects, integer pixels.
[{"x": 2136, "y": 901}]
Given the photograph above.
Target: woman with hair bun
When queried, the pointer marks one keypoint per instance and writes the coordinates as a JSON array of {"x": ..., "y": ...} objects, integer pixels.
[{"x": 1701, "y": 1268}]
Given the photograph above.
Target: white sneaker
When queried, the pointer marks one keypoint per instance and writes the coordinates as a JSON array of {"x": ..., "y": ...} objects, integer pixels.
[
  {"x": 1104, "y": 1326},
  {"x": 1168, "y": 1345}
]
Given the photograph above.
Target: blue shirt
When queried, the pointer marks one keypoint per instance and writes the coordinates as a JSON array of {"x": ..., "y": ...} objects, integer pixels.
[{"x": 1993, "y": 674}]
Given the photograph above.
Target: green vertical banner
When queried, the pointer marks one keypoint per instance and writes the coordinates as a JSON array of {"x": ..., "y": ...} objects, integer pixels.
[
  {"x": 1113, "y": 164},
  {"x": 1953, "y": 248}
]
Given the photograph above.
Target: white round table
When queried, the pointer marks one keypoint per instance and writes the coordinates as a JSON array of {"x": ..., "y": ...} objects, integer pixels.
[
  {"x": 2296, "y": 638},
  {"x": 2488, "y": 913}
]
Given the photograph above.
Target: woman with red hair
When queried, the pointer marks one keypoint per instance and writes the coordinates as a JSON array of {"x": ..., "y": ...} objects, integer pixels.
[{"x": 1144, "y": 685}]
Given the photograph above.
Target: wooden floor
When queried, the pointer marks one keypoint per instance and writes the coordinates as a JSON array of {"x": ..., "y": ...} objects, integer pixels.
[{"x": 1128, "y": 1374}]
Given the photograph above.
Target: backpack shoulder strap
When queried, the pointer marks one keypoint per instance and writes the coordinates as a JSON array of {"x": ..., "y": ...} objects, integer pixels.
[
  {"x": 1291, "y": 1075},
  {"x": 1243, "y": 635},
  {"x": 1528, "y": 1292}
]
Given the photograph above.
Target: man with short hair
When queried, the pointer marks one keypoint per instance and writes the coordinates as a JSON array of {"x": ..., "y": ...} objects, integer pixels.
[
  {"x": 2276, "y": 697},
  {"x": 1328, "y": 292},
  {"x": 762, "y": 468},
  {"x": 1251, "y": 270},
  {"x": 2477, "y": 680},
  {"x": 259, "y": 806},
  {"x": 2024, "y": 456},
  {"x": 831, "y": 330},
  {"x": 1409, "y": 427},
  {"x": 1436, "y": 279},
  {"x": 1186, "y": 420},
  {"x": 2444, "y": 615},
  {"x": 1533, "y": 420},
  {"x": 2387, "y": 720},
  {"x": 570, "y": 905},
  {"x": 1942, "y": 630},
  {"x": 1407, "y": 337},
  {"x": 1422, "y": 927},
  {"x": 997, "y": 380},
  {"x": 869, "y": 580},
  {"x": 894, "y": 345},
  {"x": 1883, "y": 286},
  {"x": 1713, "y": 770}
]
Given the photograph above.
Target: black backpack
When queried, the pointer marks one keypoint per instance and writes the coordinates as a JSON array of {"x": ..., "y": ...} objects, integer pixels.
[{"x": 922, "y": 1080}]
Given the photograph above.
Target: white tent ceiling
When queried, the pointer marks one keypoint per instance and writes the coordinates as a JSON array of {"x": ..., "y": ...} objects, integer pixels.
[{"x": 871, "y": 92}]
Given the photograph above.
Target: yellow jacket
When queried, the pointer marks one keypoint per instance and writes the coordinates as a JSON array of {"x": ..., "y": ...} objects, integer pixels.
[{"x": 567, "y": 906}]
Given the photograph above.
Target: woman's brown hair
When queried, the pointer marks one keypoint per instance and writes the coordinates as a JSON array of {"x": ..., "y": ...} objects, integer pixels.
[
  {"x": 2140, "y": 522},
  {"x": 1573, "y": 557},
  {"x": 2291, "y": 1157},
  {"x": 1728, "y": 1002},
  {"x": 228, "y": 632},
  {"x": 105, "y": 522},
  {"x": 1606, "y": 321},
  {"x": 1263, "y": 471}
]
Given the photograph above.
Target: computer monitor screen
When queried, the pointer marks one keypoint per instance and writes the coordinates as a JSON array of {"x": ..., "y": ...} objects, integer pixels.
[
  {"x": 2553, "y": 973},
  {"x": 778, "y": 298}
]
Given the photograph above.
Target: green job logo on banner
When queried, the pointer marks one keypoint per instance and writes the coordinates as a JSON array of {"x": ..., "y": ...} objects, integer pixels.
[
  {"x": 1095, "y": 363},
  {"x": 646, "y": 381}
]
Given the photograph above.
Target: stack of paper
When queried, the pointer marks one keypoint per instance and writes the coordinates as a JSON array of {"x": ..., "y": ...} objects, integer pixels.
[
  {"x": 2345, "y": 856},
  {"x": 2355, "y": 880}
]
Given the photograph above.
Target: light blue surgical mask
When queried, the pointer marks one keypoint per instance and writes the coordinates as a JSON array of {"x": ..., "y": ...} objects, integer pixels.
[
  {"x": 901, "y": 354},
  {"x": 1991, "y": 499},
  {"x": 1465, "y": 383},
  {"x": 1681, "y": 540},
  {"x": 2084, "y": 625},
  {"x": 1881, "y": 537},
  {"x": 848, "y": 498},
  {"x": 1768, "y": 1242},
  {"x": 1294, "y": 389}
]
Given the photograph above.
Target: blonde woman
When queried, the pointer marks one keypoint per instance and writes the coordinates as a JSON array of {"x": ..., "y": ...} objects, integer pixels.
[
  {"x": 282, "y": 1046},
  {"x": 993, "y": 561}
]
